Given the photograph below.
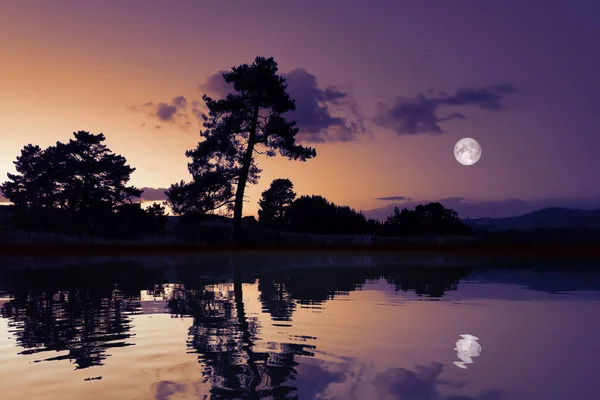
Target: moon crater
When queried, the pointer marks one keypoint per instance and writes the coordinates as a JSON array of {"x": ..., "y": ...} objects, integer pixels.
[{"x": 467, "y": 151}]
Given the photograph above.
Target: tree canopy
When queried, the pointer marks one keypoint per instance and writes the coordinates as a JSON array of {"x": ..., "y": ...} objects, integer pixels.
[
  {"x": 275, "y": 202},
  {"x": 427, "y": 219},
  {"x": 315, "y": 214},
  {"x": 236, "y": 129},
  {"x": 78, "y": 187},
  {"x": 78, "y": 175}
]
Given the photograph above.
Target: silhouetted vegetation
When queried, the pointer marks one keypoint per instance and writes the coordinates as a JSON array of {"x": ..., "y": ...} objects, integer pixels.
[
  {"x": 275, "y": 203},
  {"x": 235, "y": 128},
  {"x": 81, "y": 187},
  {"x": 72, "y": 311},
  {"x": 314, "y": 214},
  {"x": 428, "y": 219},
  {"x": 78, "y": 187}
]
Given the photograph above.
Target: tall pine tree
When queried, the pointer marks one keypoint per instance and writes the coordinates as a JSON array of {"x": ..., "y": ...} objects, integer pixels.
[{"x": 236, "y": 129}]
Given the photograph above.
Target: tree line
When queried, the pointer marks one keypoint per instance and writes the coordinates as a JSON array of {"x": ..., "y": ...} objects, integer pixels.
[
  {"x": 82, "y": 186},
  {"x": 280, "y": 209}
]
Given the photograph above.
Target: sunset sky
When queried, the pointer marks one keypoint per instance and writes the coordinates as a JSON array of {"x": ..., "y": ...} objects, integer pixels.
[{"x": 384, "y": 89}]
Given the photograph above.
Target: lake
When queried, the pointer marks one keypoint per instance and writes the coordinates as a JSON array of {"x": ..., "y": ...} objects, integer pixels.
[{"x": 306, "y": 326}]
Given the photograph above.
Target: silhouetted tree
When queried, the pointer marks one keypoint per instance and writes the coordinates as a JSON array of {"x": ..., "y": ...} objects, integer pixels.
[
  {"x": 314, "y": 214},
  {"x": 33, "y": 185},
  {"x": 224, "y": 336},
  {"x": 235, "y": 128},
  {"x": 82, "y": 174},
  {"x": 428, "y": 219},
  {"x": 133, "y": 220},
  {"x": 79, "y": 186},
  {"x": 80, "y": 313},
  {"x": 275, "y": 202}
]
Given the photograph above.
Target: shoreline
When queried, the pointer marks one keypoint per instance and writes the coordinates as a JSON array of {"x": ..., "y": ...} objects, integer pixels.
[{"x": 466, "y": 249}]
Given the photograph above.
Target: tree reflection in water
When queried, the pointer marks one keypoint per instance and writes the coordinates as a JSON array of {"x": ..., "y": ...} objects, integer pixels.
[
  {"x": 70, "y": 311},
  {"x": 224, "y": 336},
  {"x": 84, "y": 314}
]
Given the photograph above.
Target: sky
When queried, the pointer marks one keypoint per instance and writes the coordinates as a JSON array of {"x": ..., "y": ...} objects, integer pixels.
[{"x": 383, "y": 90}]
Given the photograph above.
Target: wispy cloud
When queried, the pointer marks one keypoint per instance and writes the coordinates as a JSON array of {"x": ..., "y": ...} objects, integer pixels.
[
  {"x": 392, "y": 198},
  {"x": 417, "y": 115}
]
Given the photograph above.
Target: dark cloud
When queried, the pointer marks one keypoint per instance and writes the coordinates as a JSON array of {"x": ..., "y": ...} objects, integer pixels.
[
  {"x": 313, "y": 110},
  {"x": 485, "y": 98},
  {"x": 422, "y": 383},
  {"x": 410, "y": 116},
  {"x": 179, "y": 102},
  {"x": 153, "y": 194},
  {"x": 314, "y": 106},
  {"x": 453, "y": 116},
  {"x": 215, "y": 86},
  {"x": 468, "y": 208},
  {"x": 390, "y": 198},
  {"x": 165, "y": 112},
  {"x": 416, "y": 115}
]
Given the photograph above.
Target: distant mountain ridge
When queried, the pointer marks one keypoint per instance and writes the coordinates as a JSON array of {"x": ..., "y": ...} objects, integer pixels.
[{"x": 547, "y": 218}]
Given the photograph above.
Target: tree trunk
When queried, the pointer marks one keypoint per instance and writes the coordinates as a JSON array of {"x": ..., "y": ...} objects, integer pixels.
[
  {"x": 236, "y": 231},
  {"x": 248, "y": 345}
]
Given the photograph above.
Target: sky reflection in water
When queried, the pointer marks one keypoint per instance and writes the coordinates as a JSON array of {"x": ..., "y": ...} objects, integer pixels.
[{"x": 284, "y": 328}]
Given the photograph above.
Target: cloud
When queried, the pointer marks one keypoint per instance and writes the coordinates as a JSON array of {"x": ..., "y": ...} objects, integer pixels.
[
  {"x": 469, "y": 208},
  {"x": 153, "y": 194},
  {"x": 314, "y": 106},
  {"x": 171, "y": 112},
  {"x": 390, "y": 198},
  {"x": 215, "y": 86},
  {"x": 417, "y": 115},
  {"x": 486, "y": 98},
  {"x": 179, "y": 102},
  {"x": 165, "y": 112},
  {"x": 423, "y": 383},
  {"x": 409, "y": 115},
  {"x": 453, "y": 116}
]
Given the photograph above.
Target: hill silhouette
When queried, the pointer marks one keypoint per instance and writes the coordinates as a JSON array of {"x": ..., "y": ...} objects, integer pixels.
[{"x": 548, "y": 218}]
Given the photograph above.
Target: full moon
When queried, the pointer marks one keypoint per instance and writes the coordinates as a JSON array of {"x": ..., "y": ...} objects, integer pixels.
[{"x": 467, "y": 151}]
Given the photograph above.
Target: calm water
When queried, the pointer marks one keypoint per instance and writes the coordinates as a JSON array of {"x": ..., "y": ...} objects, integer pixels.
[{"x": 291, "y": 326}]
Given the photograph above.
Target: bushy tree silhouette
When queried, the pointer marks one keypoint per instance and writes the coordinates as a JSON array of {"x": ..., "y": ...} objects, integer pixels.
[
  {"x": 78, "y": 175},
  {"x": 314, "y": 214},
  {"x": 275, "y": 202},
  {"x": 235, "y": 128},
  {"x": 428, "y": 219},
  {"x": 79, "y": 186}
]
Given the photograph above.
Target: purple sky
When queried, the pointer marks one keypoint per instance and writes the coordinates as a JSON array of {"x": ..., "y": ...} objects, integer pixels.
[{"x": 384, "y": 89}]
